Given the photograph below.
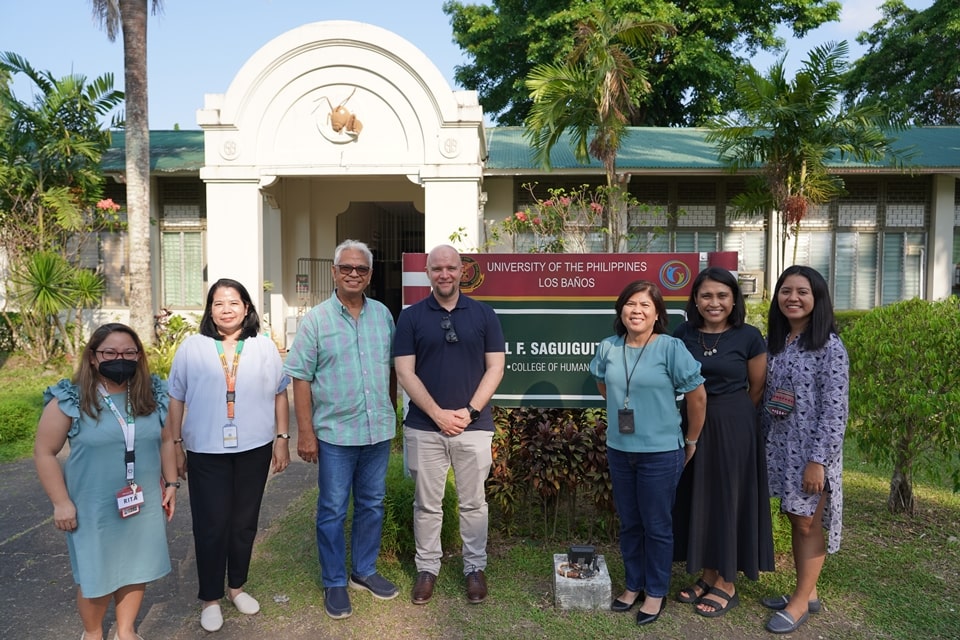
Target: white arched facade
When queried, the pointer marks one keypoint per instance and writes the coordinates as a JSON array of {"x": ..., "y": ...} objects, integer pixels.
[{"x": 277, "y": 172}]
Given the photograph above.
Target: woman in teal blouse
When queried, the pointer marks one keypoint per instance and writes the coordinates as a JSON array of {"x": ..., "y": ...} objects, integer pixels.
[{"x": 640, "y": 371}]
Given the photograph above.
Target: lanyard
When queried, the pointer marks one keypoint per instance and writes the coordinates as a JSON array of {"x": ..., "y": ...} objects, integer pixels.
[
  {"x": 626, "y": 397},
  {"x": 230, "y": 374},
  {"x": 129, "y": 428}
]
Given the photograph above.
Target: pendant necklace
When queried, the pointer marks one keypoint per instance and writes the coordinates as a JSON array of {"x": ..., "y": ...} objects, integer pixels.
[{"x": 711, "y": 350}]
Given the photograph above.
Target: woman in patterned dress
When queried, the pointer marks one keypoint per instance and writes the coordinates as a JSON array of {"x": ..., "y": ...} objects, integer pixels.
[{"x": 804, "y": 421}]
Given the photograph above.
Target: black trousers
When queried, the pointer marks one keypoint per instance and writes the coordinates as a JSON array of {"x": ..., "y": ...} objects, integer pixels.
[{"x": 226, "y": 490}]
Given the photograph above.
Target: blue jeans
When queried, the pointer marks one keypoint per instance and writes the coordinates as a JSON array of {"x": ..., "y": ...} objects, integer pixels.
[
  {"x": 644, "y": 487},
  {"x": 342, "y": 469}
]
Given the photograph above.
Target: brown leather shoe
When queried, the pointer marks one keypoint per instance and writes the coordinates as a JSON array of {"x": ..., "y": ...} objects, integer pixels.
[
  {"x": 423, "y": 589},
  {"x": 476, "y": 587}
]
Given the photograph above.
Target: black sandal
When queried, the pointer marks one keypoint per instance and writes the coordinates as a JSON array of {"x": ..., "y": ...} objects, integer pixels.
[
  {"x": 719, "y": 608},
  {"x": 693, "y": 598}
]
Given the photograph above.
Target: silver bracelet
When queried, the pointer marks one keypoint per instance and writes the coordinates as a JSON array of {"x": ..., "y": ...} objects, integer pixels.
[{"x": 693, "y": 442}]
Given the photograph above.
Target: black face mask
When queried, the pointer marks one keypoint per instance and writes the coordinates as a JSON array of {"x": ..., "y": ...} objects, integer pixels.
[{"x": 118, "y": 370}]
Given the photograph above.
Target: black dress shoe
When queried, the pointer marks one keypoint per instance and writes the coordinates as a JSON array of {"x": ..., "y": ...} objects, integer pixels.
[
  {"x": 647, "y": 618},
  {"x": 619, "y": 606}
]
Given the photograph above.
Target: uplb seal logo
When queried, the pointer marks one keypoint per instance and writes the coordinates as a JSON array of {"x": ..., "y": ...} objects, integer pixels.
[
  {"x": 472, "y": 276},
  {"x": 674, "y": 275}
]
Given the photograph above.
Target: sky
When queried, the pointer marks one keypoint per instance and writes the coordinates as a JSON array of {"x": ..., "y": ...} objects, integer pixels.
[{"x": 196, "y": 47}]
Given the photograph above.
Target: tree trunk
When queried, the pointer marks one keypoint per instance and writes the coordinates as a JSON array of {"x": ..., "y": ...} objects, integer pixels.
[
  {"x": 133, "y": 17},
  {"x": 900, "y": 499}
]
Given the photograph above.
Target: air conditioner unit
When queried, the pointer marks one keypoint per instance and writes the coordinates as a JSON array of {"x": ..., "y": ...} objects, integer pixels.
[{"x": 751, "y": 283}]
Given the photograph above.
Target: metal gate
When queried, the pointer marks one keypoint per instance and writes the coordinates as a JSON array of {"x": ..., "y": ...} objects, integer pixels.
[{"x": 314, "y": 283}]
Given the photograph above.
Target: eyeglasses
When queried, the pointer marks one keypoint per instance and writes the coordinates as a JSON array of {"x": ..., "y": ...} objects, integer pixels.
[
  {"x": 347, "y": 269},
  {"x": 447, "y": 326},
  {"x": 113, "y": 354}
]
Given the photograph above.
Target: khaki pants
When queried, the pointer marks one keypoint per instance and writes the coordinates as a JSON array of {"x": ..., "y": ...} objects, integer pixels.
[{"x": 430, "y": 454}]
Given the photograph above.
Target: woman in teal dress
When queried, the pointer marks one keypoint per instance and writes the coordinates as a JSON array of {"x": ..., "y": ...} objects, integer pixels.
[{"x": 118, "y": 484}]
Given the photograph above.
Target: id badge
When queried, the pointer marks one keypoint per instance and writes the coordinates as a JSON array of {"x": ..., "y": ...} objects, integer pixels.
[
  {"x": 230, "y": 440},
  {"x": 625, "y": 420},
  {"x": 129, "y": 500}
]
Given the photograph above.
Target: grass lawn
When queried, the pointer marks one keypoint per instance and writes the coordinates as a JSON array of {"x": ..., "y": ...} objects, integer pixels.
[{"x": 894, "y": 577}]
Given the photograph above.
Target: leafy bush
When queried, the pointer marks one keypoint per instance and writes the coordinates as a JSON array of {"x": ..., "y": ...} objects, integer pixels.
[
  {"x": 904, "y": 397},
  {"x": 555, "y": 459},
  {"x": 18, "y": 419},
  {"x": 757, "y": 313},
  {"x": 171, "y": 331},
  {"x": 846, "y": 319}
]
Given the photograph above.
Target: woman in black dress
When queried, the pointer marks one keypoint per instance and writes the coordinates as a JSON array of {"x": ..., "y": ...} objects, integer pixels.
[{"x": 722, "y": 513}]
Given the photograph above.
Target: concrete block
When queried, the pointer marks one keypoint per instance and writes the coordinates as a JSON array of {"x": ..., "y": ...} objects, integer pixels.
[{"x": 592, "y": 593}]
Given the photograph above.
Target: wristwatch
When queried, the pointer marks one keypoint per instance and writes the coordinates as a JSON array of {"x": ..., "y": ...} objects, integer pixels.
[
  {"x": 167, "y": 485},
  {"x": 474, "y": 414},
  {"x": 285, "y": 436}
]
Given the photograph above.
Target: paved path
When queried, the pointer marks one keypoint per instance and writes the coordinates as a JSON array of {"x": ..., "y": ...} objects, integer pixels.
[{"x": 37, "y": 592}]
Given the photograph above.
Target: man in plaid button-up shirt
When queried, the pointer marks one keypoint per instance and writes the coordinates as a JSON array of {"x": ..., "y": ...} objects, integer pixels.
[{"x": 340, "y": 364}]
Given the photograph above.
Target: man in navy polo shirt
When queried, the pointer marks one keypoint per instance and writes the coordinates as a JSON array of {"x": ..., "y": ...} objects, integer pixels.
[{"x": 449, "y": 357}]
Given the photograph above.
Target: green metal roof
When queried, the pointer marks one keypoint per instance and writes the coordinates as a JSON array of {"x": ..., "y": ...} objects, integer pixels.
[
  {"x": 647, "y": 149},
  {"x": 663, "y": 149},
  {"x": 170, "y": 152}
]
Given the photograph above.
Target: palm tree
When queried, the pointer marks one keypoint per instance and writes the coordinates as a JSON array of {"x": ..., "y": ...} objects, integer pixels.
[
  {"x": 789, "y": 130},
  {"x": 592, "y": 94},
  {"x": 131, "y": 17},
  {"x": 50, "y": 178}
]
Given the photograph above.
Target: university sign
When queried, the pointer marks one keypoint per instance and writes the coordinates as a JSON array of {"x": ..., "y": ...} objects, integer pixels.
[{"x": 555, "y": 308}]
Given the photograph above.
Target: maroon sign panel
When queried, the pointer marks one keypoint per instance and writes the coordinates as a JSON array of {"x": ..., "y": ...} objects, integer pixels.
[{"x": 555, "y": 308}]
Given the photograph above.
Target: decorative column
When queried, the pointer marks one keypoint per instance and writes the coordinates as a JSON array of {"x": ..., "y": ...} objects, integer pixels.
[
  {"x": 942, "y": 219},
  {"x": 452, "y": 206},
  {"x": 235, "y": 234}
]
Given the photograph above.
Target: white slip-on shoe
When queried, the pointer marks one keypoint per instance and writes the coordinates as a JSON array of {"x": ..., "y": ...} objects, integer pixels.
[
  {"x": 245, "y": 603},
  {"x": 211, "y": 618}
]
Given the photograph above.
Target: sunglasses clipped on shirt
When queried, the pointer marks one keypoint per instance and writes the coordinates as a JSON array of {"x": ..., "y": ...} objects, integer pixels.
[
  {"x": 347, "y": 269},
  {"x": 447, "y": 325}
]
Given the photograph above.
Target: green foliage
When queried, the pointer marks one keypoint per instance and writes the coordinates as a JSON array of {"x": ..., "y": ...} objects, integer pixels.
[
  {"x": 50, "y": 188},
  {"x": 912, "y": 63},
  {"x": 757, "y": 313},
  {"x": 904, "y": 397},
  {"x": 554, "y": 459},
  {"x": 170, "y": 330},
  {"x": 846, "y": 319},
  {"x": 44, "y": 285},
  {"x": 596, "y": 90},
  {"x": 18, "y": 419},
  {"x": 691, "y": 81}
]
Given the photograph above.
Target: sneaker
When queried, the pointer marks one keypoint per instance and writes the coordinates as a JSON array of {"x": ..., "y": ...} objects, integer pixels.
[
  {"x": 336, "y": 602},
  {"x": 376, "y": 584}
]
